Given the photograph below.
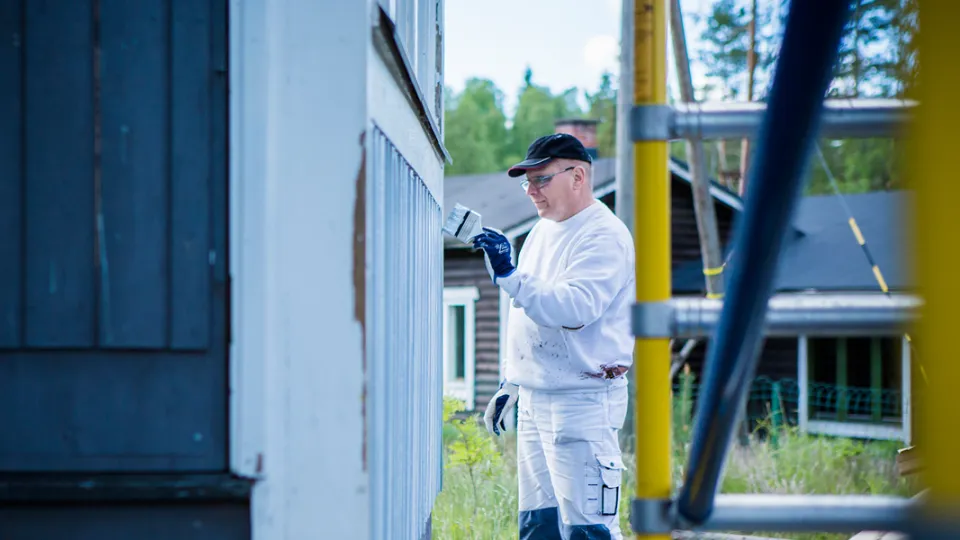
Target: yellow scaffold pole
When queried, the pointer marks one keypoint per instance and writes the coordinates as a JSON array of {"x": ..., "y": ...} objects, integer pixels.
[
  {"x": 933, "y": 174},
  {"x": 652, "y": 240}
]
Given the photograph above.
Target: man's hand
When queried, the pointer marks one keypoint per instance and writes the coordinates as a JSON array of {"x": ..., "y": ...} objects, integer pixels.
[
  {"x": 501, "y": 404},
  {"x": 496, "y": 248}
]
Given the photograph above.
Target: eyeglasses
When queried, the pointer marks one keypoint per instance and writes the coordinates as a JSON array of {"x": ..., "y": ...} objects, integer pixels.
[{"x": 542, "y": 181}]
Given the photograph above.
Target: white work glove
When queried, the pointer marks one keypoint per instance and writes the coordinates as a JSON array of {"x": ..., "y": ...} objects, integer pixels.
[{"x": 501, "y": 404}]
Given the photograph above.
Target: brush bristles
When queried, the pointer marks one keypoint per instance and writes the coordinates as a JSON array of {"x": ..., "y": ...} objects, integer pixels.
[{"x": 463, "y": 224}]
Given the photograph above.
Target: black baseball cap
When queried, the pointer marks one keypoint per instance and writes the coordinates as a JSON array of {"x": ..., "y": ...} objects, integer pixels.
[{"x": 554, "y": 146}]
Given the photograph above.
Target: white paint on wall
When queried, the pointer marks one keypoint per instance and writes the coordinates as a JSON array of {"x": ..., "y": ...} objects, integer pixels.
[
  {"x": 247, "y": 189},
  {"x": 392, "y": 113},
  {"x": 297, "y": 113},
  {"x": 404, "y": 368},
  {"x": 298, "y": 423}
]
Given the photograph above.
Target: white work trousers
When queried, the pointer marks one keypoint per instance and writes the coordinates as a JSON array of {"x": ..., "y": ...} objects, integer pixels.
[{"x": 569, "y": 463}]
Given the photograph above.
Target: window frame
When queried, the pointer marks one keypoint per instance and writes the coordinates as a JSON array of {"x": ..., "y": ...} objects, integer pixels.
[
  {"x": 466, "y": 297},
  {"x": 852, "y": 428}
]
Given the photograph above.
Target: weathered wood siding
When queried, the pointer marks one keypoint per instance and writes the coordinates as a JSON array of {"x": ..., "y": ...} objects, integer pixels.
[
  {"x": 465, "y": 268},
  {"x": 113, "y": 212},
  {"x": 778, "y": 359},
  {"x": 685, "y": 240}
]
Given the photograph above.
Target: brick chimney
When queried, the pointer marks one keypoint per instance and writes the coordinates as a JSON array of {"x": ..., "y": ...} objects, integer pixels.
[{"x": 584, "y": 129}]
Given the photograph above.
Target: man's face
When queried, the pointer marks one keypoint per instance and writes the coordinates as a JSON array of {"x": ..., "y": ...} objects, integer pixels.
[{"x": 553, "y": 189}]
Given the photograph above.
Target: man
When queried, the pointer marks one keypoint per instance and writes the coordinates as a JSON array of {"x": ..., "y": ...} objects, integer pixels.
[{"x": 569, "y": 346}]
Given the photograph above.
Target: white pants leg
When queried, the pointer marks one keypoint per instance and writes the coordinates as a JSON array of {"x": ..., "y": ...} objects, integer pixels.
[{"x": 569, "y": 464}]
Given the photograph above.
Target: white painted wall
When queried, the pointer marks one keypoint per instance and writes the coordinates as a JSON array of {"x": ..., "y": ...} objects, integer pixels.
[
  {"x": 406, "y": 270},
  {"x": 297, "y": 113},
  {"x": 389, "y": 109}
]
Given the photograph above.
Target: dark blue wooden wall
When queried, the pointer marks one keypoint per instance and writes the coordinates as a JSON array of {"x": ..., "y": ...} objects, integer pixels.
[
  {"x": 214, "y": 521},
  {"x": 113, "y": 219}
]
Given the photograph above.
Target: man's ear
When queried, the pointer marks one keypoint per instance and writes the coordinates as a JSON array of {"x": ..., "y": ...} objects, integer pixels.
[{"x": 579, "y": 178}]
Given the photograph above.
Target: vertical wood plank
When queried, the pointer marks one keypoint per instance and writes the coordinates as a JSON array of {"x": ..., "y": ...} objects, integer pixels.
[
  {"x": 219, "y": 156},
  {"x": 58, "y": 95},
  {"x": 190, "y": 251},
  {"x": 11, "y": 172},
  {"x": 136, "y": 166}
]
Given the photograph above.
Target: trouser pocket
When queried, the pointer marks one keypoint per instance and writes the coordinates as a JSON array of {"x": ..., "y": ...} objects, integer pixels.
[{"x": 611, "y": 476}]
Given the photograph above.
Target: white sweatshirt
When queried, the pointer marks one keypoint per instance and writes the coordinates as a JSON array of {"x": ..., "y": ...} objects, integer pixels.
[{"x": 572, "y": 293}]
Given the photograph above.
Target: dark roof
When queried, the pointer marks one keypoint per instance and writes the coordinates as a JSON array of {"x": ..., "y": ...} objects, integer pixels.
[
  {"x": 822, "y": 253},
  {"x": 501, "y": 202}
]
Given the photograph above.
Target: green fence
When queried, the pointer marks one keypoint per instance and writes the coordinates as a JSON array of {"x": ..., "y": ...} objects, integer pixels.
[{"x": 778, "y": 401}]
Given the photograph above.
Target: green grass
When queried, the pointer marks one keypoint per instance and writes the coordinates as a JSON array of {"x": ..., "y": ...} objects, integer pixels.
[{"x": 479, "y": 496}]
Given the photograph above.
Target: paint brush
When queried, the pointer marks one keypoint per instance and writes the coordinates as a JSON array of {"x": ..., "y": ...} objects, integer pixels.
[{"x": 463, "y": 224}]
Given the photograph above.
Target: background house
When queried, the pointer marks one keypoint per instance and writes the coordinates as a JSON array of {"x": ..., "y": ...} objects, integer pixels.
[{"x": 853, "y": 387}]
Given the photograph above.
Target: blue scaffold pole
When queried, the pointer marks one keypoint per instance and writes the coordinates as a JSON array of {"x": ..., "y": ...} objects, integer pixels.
[{"x": 785, "y": 141}]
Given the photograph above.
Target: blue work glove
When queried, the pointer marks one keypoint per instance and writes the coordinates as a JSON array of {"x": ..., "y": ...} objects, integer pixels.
[
  {"x": 501, "y": 404},
  {"x": 496, "y": 249}
]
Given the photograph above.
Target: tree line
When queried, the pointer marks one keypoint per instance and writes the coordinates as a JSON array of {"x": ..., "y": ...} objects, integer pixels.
[
  {"x": 737, "y": 50},
  {"x": 477, "y": 135}
]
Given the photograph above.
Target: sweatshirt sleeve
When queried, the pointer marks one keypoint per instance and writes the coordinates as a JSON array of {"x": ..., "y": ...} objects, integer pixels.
[{"x": 594, "y": 276}]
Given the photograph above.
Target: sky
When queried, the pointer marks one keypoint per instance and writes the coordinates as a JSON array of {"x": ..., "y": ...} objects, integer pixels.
[{"x": 564, "y": 42}]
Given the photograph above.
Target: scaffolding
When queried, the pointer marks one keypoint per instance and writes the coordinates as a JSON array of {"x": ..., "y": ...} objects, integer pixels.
[{"x": 785, "y": 130}]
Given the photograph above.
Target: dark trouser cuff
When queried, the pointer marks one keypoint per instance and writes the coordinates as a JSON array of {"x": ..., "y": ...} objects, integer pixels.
[
  {"x": 586, "y": 532},
  {"x": 542, "y": 524}
]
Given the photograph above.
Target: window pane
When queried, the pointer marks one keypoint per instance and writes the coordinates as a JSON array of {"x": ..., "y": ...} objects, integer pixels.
[
  {"x": 856, "y": 379},
  {"x": 823, "y": 392},
  {"x": 456, "y": 339}
]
